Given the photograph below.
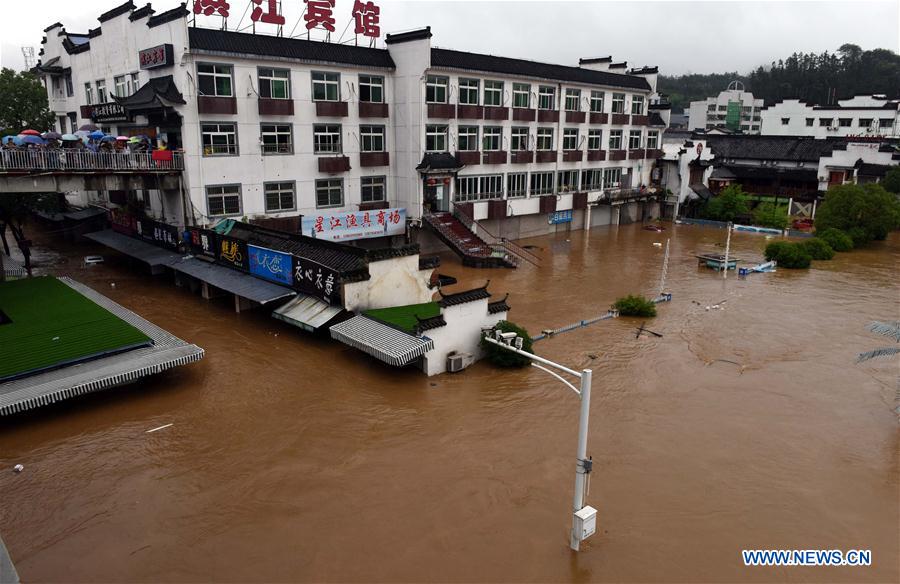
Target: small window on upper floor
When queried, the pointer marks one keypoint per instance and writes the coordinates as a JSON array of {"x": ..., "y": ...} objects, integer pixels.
[
  {"x": 326, "y": 86},
  {"x": 371, "y": 89},
  {"x": 215, "y": 80},
  {"x": 275, "y": 83},
  {"x": 436, "y": 89}
]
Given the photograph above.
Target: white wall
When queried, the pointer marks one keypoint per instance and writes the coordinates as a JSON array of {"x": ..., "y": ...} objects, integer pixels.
[
  {"x": 846, "y": 159},
  {"x": 791, "y": 118},
  {"x": 462, "y": 333},
  {"x": 392, "y": 282}
]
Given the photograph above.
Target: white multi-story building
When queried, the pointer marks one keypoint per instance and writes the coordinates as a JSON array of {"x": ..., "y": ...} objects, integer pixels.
[
  {"x": 276, "y": 127},
  {"x": 734, "y": 108},
  {"x": 870, "y": 116}
]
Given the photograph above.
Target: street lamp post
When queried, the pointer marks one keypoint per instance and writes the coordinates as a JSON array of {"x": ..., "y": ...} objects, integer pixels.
[{"x": 584, "y": 518}]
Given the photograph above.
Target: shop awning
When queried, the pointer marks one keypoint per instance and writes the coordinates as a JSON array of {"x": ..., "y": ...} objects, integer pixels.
[
  {"x": 238, "y": 283},
  {"x": 385, "y": 343},
  {"x": 307, "y": 312},
  {"x": 130, "y": 246}
]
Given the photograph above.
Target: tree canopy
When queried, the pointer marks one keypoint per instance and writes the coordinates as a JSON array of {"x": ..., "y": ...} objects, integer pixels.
[
  {"x": 819, "y": 78},
  {"x": 864, "y": 212},
  {"x": 23, "y": 102}
]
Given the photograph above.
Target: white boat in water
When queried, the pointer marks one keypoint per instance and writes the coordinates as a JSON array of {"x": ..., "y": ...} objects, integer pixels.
[{"x": 763, "y": 268}]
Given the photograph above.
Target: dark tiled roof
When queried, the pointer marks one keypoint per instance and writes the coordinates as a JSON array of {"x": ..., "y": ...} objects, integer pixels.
[
  {"x": 94, "y": 32},
  {"x": 74, "y": 48},
  {"x": 237, "y": 43},
  {"x": 168, "y": 16},
  {"x": 141, "y": 13},
  {"x": 656, "y": 119},
  {"x": 522, "y": 68},
  {"x": 869, "y": 169},
  {"x": 644, "y": 70},
  {"x": 755, "y": 147},
  {"x": 439, "y": 161},
  {"x": 742, "y": 172},
  {"x": 426, "y": 324},
  {"x": 463, "y": 297},
  {"x": 498, "y": 306},
  {"x": 413, "y": 35},
  {"x": 593, "y": 60},
  {"x": 429, "y": 262},
  {"x": 701, "y": 190},
  {"x": 150, "y": 94},
  {"x": 118, "y": 10},
  {"x": 52, "y": 26},
  {"x": 386, "y": 253}
]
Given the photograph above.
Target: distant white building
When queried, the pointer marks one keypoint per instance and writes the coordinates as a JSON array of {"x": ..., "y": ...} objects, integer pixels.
[
  {"x": 733, "y": 108},
  {"x": 863, "y": 115}
]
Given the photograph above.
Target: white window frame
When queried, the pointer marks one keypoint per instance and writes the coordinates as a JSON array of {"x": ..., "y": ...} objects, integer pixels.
[
  {"x": 612, "y": 178},
  {"x": 492, "y": 138},
  {"x": 101, "y": 91},
  {"x": 327, "y": 139},
  {"x": 437, "y": 84},
  {"x": 269, "y": 76},
  {"x": 437, "y": 133},
  {"x": 637, "y": 100},
  {"x": 595, "y": 140},
  {"x": 479, "y": 187},
  {"x": 545, "y": 138},
  {"x": 573, "y": 99},
  {"x": 226, "y": 147},
  {"x": 120, "y": 85},
  {"x": 592, "y": 179},
  {"x": 635, "y": 139},
  {"x": 618, "y": 103},
  {"x": 597, "y": 98},
  {"x": 217, "y": 72},
  {"x": 279, "y": 132},
  {"x": 653, "y": 139},
  {"x": 541, "y": 183},
  {"x": 222, "y": 194},
  {"x": 518, "y": 137},
  {"x": 547, "y": 97},
  {"x": 373, "y": 84},
  {"x": 89, "y": 93},
  {"x": 468, "y": 91},
  {"x": 493, "y": 93},
  {"x": 329, "y": 186},
  {"x": 467, "y": 139},
  {"x": 564, "y": 182},
  {"x": 134, "y": 83},
  {"x": 516, "y": 185},
  {"x": 323, "y": 81},
  {"x": 519, "y": 90},
  {"x": 615, "y": 139},
  {"x": 280, "y": 189},
  {"x": 370, "y": 137},
  {"x": 570, "y": 139}
]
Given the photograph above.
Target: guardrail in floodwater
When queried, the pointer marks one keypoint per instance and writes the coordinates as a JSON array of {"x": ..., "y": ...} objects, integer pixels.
[{"x": 667, "y": 297}]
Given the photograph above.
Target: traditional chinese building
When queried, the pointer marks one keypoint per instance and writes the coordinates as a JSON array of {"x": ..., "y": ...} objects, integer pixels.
[{"x": 465, "y": 148}]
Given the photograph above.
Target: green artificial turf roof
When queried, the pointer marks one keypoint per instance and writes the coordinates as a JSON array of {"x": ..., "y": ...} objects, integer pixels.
[
  {"x": 404, "y": 317},
  {"x": 52, "y": 324}
]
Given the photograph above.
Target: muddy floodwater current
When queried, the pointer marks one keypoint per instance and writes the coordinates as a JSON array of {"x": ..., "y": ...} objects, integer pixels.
[{"x": 291, "y": 457}]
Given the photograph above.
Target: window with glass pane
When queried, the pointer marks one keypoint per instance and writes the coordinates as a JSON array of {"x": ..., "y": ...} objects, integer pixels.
[
  {"x": 372, "y": 189},
  {"x": 329, "y": 192},
  {"x": 516, "y": 184},
  {"x": 326, "y": 86},
  {"x": 214, "y": 80},
  {"x": 570, "y": 139},
  {"x": 615, "y": 139},
  {"x": 223, "y": 200},
  {"x": 436, "y": 89},
  {"x": 371, "y": 89},
  {"x": 592, "y": 180},
  {"x": 597, "y": 101},
  {"x": 653, "y": 140},
  {"x": 521, "y": 95},
  {"x": 519, "y": 139},
  {"x": 491, "y": 139},
  {"x": 634, "y": 139},
  {"x": 825, "y": 121},
  {"x": 568, "y": 180},
  {"x": 275, "y": 83},
  {"x": 618, "y": 103},
  {"x": 371, "y": 138},
  {"x": 863, "y": 122},
  {"x": 101, "y": 91},
  {"x": 436, "y": 138},
  {"x": 279, "y": 196},
  {"x": 88, "y": 94},
  {"x": 120, "y": 89},
  {"x": 595, "y": 139},
  {"x": 327, "y": 139},
  {"x": 491, "y": 186},
  {"x": 545, "y": 139},
  {"x": 466, "y": 188},
  {"x": 468, "y": 138},
  {"x": 219, "y": 139},
  {"x": 637, "y": 105},
  {"x": 468, "y": 91},
  {"x": 546, "y": 97},
  {"x": 612, "y": 178},
  {"x": 493, "y": 93},
  {"x": 573, "y": 99},
  {"x": 885, "y": 122},
  {"x": 135, "y": 82},
  {"x": 277, "y": 139},
  {"x": 541, "y": 183}
]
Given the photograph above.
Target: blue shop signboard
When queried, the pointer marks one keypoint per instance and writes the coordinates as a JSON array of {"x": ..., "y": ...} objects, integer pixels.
[
  {"x": 271, "y": 265},
  {"x": 558, "y": 217}
]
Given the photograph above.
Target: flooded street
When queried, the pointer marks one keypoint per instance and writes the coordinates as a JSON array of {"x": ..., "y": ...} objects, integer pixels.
[{"x": 292, "y": 457}]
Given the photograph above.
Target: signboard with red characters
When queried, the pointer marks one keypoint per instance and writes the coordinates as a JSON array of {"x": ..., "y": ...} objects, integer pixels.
[
  {"x": 156, "y": 57},
  {"x": 318, "y": 14},
  {"x": 347, "y": 225}
]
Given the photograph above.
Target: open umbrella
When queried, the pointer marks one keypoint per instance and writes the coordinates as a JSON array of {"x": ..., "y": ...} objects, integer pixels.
[
  {"x": 51, "y": 135},
  {"x": 108, "y": 139},
  {"x": 88, "y": 128},
  {"x": 134, "y": 140},
  {"x": 122, "y": 138},
  {"x": 32, "y": 139},
  {"x": 81, "y": 133},
  {"x": 29, "y": 133},
  {"x": 69, "y": 138},
  {"x": 96, "y": 135}
]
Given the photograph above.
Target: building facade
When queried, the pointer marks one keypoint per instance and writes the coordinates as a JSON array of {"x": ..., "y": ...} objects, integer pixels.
[
  {"x": 868, "y": 116},
  {"x": 734, "y": 108},
  {"x": 278, "y": 127}
]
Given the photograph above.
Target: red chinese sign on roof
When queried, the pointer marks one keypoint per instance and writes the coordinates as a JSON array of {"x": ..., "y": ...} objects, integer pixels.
[
  {"x": 318, "y": 14},
  {"x": 209, "y": 7},
  {"x": 270, "y": 15},
  {"x": 367, "y": 16}
]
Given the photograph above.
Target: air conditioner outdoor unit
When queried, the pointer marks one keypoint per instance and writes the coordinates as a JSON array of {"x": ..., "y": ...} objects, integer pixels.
[{"x": 459, "y": 361}]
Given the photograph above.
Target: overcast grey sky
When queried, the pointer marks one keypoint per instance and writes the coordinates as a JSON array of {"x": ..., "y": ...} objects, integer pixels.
[{"x": 679, "y": 37}]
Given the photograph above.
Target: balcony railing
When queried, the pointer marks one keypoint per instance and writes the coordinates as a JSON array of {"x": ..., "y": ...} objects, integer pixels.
[{"x": 85, "y": 161}]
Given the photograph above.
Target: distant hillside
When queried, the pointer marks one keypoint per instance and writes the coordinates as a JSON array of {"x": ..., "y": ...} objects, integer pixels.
[{"x": 822, "y": 78}]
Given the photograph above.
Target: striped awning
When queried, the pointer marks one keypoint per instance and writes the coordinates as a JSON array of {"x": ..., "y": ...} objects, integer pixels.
[{"x": 385, "y": 343}]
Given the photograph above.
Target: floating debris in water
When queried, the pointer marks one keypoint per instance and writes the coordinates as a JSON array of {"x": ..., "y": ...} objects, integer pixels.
[{"x": 18, "y": 468}]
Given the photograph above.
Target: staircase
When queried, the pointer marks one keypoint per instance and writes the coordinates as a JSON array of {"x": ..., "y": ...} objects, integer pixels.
[{"x": 471, "y": 249}]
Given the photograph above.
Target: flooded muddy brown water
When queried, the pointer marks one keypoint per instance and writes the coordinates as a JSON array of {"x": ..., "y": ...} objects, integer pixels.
[{"x": 296, "y": 458}]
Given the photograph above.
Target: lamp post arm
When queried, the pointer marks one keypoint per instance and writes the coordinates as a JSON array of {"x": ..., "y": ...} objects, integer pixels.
[
  {"x": 533, "y": 357},
  {"x": 558, "y": 376}
]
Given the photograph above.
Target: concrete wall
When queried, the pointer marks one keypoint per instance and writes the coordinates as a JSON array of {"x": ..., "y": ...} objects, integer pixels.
[
  {"x": 461, "y": 334},
  {"x": 796, "y": 113},
  {"x": 845, "y": 160},
  {"x": 392, "y": 282}
]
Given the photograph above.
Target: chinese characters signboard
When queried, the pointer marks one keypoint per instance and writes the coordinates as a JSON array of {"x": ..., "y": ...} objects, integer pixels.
[
  {"x": 159, "y": 233},
  {"x": 122, "y": 221},
  {"x": 271, "y": 265},
  {"x": 347, "y": 225},
  {"x": 318, "y": 14},
  {"x": 108, "y": 112},
  {"x": 366, "y": 16},
  {"x": 156, "y": 57},
  {"x": 211, "y": 7},
  {"x": 316, "y": 280},
  {"x": 203, "y": 242},
  {"x": 232, "y": 252},
  {"x": 558, "y": 217}
]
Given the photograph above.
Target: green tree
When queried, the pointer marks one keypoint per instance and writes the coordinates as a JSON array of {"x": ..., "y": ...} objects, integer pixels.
[
  {"x": 891, "y": 181},
  {"x": 730, "y": 203},
  {"x": 23, "y": 102},
  {"x": 768, "y": 215},
  {"x": 835, "y": 238},
  {"x": 864, "y": 212},
  {"x": 635, "y": 305},
  {"x": 15, "y": 211},
  {"x": 788, "y": 254},
  {"x": 503, "y": 357}
]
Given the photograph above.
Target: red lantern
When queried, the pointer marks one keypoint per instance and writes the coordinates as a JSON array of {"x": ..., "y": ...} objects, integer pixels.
[
  {"x": 447, "y": 180},
  {"x": 431, "y": 182}
]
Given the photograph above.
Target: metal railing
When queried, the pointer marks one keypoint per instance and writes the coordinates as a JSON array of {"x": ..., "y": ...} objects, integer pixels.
[
  {"x": 498, "y": 244},
  {"x": 65, "y": 160}
]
